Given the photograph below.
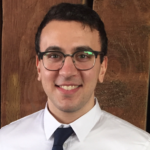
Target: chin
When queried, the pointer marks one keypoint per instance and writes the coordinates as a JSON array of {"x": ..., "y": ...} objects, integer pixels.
[{"x": 68, "y": 109}]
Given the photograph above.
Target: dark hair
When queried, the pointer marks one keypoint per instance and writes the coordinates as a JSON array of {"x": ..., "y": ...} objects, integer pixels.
[{"x": 74, "y": 12}]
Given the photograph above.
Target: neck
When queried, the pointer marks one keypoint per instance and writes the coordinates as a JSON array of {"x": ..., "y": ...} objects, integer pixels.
[{"x": 69, "y": 117}]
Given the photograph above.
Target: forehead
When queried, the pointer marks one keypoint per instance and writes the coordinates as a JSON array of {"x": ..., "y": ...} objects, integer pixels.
[{"x": 69, "y": 35}]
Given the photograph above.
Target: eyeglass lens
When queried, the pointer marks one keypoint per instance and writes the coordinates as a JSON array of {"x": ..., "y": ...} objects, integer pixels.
[{"x": 83, "y": 60}]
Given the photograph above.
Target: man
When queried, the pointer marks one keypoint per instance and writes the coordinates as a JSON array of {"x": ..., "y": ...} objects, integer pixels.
[{"x": 71, "y": 46}]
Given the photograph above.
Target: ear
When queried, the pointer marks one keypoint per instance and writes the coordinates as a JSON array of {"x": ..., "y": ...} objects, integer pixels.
[
  {"x": 38, "y": 68},
  {"x": 103, "y": 69}
]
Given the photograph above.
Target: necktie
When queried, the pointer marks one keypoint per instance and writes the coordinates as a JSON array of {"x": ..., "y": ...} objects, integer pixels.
[{"x": 60, "y": 136}]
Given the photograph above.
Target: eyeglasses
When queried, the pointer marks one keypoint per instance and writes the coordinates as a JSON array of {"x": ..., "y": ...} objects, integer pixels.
[{"x": 83, "y": 59}]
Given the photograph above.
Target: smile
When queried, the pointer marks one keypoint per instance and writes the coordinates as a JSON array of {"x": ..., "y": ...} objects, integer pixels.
[{"x": 69, "y": 87}]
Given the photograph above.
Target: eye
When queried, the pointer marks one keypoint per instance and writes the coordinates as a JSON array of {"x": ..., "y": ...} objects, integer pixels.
[
  {"x": 53, "y": 56},
  {"x": 84, "y": 56},
  {"x": 81, "y": 55}
]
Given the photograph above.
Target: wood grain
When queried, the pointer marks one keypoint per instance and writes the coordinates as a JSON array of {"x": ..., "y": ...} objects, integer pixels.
[
  {"x": 0, "y": 44},
  {"x": 125, "y": 90},
  {"x": 21, "y": 93}
]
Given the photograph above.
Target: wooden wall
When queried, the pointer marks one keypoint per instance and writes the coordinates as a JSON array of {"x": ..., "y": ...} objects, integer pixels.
[
  {"x": 124, "y": 92},
  {"x": 0, "y": 46},
  {"x": 21, "y": 93}
]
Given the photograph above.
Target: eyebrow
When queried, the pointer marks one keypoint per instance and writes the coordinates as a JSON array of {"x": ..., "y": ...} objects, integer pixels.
[
  {"x": 84, "y": 48},
  {"x": 53, "y": 48},
  {"x": 79, "y": 48}
]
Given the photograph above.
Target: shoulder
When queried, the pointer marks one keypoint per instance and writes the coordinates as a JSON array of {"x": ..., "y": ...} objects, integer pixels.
[
  {"x": 24, "y": 122},
  {"x": 116, "y": 122},
  {"x": 22, "y": 126},
  {"x": 123, "y": 131}
]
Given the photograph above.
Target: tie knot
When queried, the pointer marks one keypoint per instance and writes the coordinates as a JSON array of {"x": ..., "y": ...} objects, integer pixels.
[{"x": 61, "y": 135}]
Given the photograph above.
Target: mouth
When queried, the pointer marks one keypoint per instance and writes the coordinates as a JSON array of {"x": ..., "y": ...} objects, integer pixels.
[{"x": 69, "y": 88}]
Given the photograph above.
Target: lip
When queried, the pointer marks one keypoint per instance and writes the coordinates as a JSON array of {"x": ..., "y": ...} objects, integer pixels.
[
  {"x": 68, "y": 84},
  {"x": 63, "y": 91}
]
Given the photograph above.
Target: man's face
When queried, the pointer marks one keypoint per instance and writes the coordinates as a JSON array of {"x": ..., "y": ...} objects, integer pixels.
[{"x": 68, "y": 36}]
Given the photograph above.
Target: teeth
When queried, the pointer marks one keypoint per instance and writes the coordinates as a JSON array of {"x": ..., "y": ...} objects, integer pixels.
[{"x": 68, "y": 87}]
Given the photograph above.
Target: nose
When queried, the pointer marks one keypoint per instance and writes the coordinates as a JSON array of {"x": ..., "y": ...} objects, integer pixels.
[{"x": 68, "y": 69}]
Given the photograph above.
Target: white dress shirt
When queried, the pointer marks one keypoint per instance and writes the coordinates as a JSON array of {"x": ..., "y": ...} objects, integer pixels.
[{"x": 96, "y": 130}]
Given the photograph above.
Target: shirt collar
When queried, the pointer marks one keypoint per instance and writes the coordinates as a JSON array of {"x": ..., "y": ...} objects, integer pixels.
[
  {"x": 85, "y": 123},
  {"x": 50, "y": 123},
  {"x": 88, "y": 120}
]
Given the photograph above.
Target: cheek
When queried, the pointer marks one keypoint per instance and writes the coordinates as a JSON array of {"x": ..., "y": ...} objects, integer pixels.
[
  {"x": 90, "y": 77},
  {"x": 48, "y": 77}
]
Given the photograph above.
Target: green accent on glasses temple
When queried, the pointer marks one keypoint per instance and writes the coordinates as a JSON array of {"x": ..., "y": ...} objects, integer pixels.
[{"x": 90, "y": 53}]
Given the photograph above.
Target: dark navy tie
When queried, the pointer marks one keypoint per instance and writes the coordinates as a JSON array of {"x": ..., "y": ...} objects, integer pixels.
[{"x": 60, "y": 136}]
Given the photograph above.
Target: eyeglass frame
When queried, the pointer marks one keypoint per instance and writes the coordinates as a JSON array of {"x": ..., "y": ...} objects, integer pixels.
[{"x": 96, "y": 53}]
